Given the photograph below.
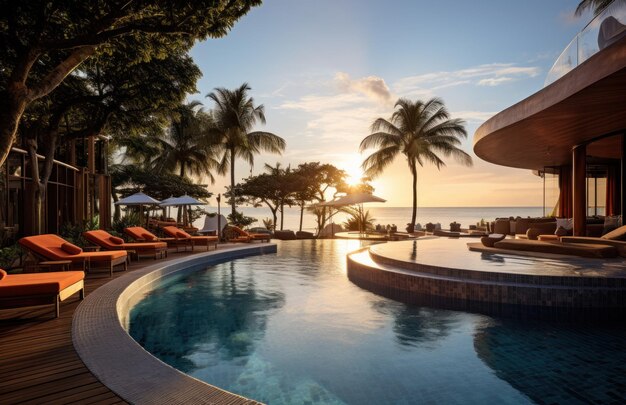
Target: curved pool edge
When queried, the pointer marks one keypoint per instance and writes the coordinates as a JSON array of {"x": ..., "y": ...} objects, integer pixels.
[{"x": 119, "y": 362}]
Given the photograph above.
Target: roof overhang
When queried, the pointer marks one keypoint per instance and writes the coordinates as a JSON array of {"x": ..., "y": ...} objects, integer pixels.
[{"x": 586, "y": 103}]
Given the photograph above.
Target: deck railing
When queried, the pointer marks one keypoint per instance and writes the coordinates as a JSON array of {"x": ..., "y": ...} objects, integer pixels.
[{"x": 604, "y": 29}]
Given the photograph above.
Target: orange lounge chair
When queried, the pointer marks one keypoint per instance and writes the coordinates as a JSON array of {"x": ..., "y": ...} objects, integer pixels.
[
  {"x": 53, "y": 247},
  {"x": 109, "y": 242},
  {"x": 23, "y": 290},
  {"x": 182, "y": 237},
  {"x": 236, "y": 234},
  {"x": 141, "y": 234}
]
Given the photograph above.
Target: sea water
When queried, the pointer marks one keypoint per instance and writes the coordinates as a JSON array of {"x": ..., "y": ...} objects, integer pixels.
[{"x": 399, "y": 216}]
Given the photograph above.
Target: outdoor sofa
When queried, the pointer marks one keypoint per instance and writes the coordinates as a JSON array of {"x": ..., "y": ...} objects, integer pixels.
[
  {"x": 52, "y": 247},
  {"x": 23, "y": 290}
]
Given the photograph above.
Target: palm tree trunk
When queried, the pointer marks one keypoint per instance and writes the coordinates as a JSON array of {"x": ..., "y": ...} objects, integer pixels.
[
  {"x": 414, "y": 213},
  {"x": 301, "y": 215},
  {"x": 180, "y": 216},
  {"x": 282, "y": 215},
  {"x": 232, "y": 183}
]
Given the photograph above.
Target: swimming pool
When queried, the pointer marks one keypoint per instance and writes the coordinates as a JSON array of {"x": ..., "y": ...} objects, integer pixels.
[{"x": 291, "y": 328}]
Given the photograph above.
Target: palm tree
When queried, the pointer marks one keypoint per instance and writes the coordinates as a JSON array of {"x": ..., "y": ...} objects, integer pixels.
[
  {"x": 233, "y": 117},
  {"x": 597, "y": 5},
  {"x": 188, "y": 145},
  {"x": 421, "y": 131}
]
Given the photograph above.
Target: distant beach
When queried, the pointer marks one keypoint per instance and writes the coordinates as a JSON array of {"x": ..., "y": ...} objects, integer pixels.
[{"x": 399, "y": 216}]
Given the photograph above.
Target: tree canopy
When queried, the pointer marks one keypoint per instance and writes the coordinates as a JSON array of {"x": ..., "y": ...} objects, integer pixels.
[{"x": 43, "y": 42}]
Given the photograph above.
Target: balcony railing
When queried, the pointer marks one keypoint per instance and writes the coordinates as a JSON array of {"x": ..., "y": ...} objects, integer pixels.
[{"x": 604, "y": 29}]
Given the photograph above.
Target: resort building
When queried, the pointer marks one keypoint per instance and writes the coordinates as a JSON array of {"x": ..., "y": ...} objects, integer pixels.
[
  {"x": 79, "y": 188},
  {"x": 573, "y": 131}
]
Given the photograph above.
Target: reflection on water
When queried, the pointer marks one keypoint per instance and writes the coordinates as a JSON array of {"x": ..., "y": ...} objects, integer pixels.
[
  {"x": 557, "y": 364},
  {"x": 290, "y": 328},
  {"x": 220, "y": 319}
]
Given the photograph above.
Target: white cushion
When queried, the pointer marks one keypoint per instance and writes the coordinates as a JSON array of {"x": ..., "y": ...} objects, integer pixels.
[{"x": 565, "y": 223}]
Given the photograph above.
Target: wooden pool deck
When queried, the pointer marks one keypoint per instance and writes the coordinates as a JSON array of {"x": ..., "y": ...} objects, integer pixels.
[{"x": 38, "y": 362}]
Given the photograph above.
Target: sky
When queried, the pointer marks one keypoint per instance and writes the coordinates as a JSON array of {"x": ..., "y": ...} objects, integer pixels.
[{"x": 326, "y": 69}]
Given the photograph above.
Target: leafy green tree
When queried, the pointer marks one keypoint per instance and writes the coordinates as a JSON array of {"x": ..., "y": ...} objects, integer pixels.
[
  {"x": 421, "y": 131},
  {"x": 234, "y": 116},
  {"x": 321, "y": 178},
  {"x": 130, "y": 179},
  {"x": 43, "y": 42},
  {"x": 359, "y": 220},
  {"x": 272, "y": 189},
  {"x": 109, "y": 95}
]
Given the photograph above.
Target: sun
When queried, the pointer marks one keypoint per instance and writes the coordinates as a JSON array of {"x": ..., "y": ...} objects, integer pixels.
[{"x": 353, "y": 171}]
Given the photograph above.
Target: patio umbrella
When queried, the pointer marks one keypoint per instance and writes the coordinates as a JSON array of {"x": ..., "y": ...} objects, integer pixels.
[
  {"x": 353, "y": 199},
  {"x": 139, "y": 199},
  {"x": 165, "y": 205},
  {"x": 183, "y": 200}
]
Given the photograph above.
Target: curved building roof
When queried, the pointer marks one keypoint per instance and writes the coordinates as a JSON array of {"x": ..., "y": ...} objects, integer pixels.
[{"x": 587, "y": 102}]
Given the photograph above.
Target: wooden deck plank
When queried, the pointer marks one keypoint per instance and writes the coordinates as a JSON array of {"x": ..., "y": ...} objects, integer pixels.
[{"x": 39, "y": 363}]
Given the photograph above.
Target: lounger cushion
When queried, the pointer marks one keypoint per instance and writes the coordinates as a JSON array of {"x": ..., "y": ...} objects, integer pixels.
[
  {"x": 71, "y": 249},
  {"x": 19, "y": 285},
  {"x": 49, "y": 246},
  {"x": 490, "y": 240},
  {"x": 148, "y": 236},
  {"x": 116, "y": 240},
  {"x": 617, "y": 234}
]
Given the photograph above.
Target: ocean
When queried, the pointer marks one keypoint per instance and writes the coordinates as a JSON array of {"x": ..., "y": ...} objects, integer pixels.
[{"x": 399, "y": 216}]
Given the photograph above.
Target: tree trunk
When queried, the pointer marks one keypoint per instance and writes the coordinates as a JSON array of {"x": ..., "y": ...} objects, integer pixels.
[
  {"x": 12, "y": 105},
  {"x": 275, "y": 217},
  {"x": 117, "y": 212},
  {"x": 232, "y": 184},
  {"x": 17, "y": 96},
  {"x": 38, "y": 190},
  {"x": 301, "y": 215},
  {"x": 282, "y": 216},
  {"x": 414, "y": 213}
]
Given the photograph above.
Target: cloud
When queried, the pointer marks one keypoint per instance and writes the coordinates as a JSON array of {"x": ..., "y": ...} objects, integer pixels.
[
  {"x": 483, "y": 75},
  {"x": 474, "y": 116},
  {"x": 371, "y": 86},
  {"x": 494, "y": 81}
]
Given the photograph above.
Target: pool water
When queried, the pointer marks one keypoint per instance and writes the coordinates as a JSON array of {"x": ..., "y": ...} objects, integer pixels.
[{"x": 290, "y": 328}]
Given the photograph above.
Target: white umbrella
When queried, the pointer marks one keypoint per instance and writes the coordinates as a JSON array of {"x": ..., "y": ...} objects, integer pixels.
[
  {"x": 353, "y": 199},
  {"x": 139, "y": 199},
  {"x": 183, "y": 200}
]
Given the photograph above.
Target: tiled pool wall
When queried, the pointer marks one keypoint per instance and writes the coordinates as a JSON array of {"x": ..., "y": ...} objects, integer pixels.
[
  {"x": 501, "y": 294},
  {"x": 100, "y": 338}
]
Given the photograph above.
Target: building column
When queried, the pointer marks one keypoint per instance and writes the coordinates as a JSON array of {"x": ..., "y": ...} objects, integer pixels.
[
  {"x": 579, "y": 189},
  {"x": 91, "y": 155},
  {"x": 623, "y": 178}
]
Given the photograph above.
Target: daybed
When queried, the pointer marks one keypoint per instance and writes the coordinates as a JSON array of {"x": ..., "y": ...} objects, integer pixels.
[
  {"x": 53, "y": 247},
  {"x": 23, "y": 290},
  {"x": 109, "y": 242},
  {"x": 182, "y": 237},
  {"x": 236, "y": 234},
  {"x": 615, "y": 238},
  {"x": 572, "y": 249}
]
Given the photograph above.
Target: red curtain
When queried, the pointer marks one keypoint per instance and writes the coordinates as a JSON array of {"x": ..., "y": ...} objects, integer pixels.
[
  {"x": 565, "y": 192},
  {"x": 613, "y": 191}
]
